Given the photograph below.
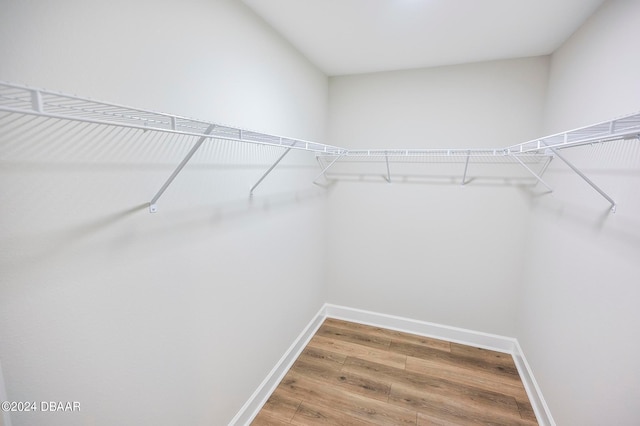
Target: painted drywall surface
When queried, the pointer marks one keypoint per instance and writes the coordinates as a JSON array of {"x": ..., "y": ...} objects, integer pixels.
[
  {"x": 579, "y": 321},
  {"x": 193, "y": 59},
  {"x": 433, "y": 251},
  {"x": 4, "y": 416},
  {"x": 168, "y": 318}
]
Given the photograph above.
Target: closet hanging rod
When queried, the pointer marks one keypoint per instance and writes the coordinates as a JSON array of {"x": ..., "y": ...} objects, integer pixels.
[{"x": 20, "y": 99}]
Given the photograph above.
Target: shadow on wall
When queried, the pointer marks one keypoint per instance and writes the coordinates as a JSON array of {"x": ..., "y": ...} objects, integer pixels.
[
  {"x": 615, "y": 168},
  {"x": 601, "y": 222},
  {"x": 71, "y": 186},
  {"x": 52, "y": 244}
]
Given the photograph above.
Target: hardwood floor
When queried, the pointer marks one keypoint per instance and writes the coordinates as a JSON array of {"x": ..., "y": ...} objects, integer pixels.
[{"x": 353, "y": 374}]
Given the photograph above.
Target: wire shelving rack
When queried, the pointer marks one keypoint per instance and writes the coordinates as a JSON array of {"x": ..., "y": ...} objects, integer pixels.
[{"x": 20, "y": 99}]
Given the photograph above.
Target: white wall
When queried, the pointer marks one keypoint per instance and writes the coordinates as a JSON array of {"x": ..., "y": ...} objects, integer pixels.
[
  {"x": 172, "y": 318},
  {"x": 579, "y": 317},
  {"x": 4, "y": 416},
  {"x": 433, "y": 251},
  {"x": 175, "y": 318}
]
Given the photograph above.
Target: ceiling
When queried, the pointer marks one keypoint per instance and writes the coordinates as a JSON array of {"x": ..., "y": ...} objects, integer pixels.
[{"x": 361, "y": 36}]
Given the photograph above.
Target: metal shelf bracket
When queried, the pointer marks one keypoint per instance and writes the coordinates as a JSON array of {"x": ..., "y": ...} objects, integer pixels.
[
  {"x": 466, "y": 166},
  {"x": 386, "y": 159},
  {"x": 273, "y": 166},
  {"x": 329, "y": 166},
  {"x": 586, "y": 179},
  {"x": 153, "y": 208},
  {"x": 532, "y": 172}
]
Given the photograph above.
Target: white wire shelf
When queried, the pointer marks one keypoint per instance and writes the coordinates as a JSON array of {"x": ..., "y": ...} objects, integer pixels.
[
  {"x": 527, "y": 155},
  {"x": 626, "y": 127},
  {"x": 437, "y": 166},
  {"x": 46, "y": 103},
  {"x": 433, "y": 155},
  {"x": 21, "y": 99}
]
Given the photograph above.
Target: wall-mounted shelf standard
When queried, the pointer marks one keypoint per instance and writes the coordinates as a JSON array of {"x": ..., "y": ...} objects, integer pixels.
[{"x": 21, "y": 99}]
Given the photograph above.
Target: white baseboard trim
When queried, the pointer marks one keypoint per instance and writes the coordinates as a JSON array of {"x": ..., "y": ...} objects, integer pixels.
[
  {"x": 463, "y": 336},
  {"x": 251, "y": 408},
  {"x": 452, "y": 334},
  {"x": 423, "y": 328},
  {"x": 540, "y": 407}
]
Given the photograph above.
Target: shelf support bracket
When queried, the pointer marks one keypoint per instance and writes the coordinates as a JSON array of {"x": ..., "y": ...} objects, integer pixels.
[
  {"x": 532, "y": 172},
  {"x": 328, "y": 167},
  {"x": 546, "y": 166},
  {"x": 273, "y": 166},
  {"x": 36, "y": 101},
  {"x": 386, "y": 158},
  {"x": 466, "y": 166},
  {"x": 152, "y": 204},
  {"x": 586, "y": 179}
]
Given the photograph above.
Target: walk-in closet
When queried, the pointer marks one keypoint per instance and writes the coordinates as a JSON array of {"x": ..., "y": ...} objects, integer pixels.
[{"x": 272, "y": 212}]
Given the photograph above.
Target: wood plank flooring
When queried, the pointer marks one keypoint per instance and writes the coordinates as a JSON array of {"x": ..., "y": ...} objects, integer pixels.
[{"x": 353, "y": 374}]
